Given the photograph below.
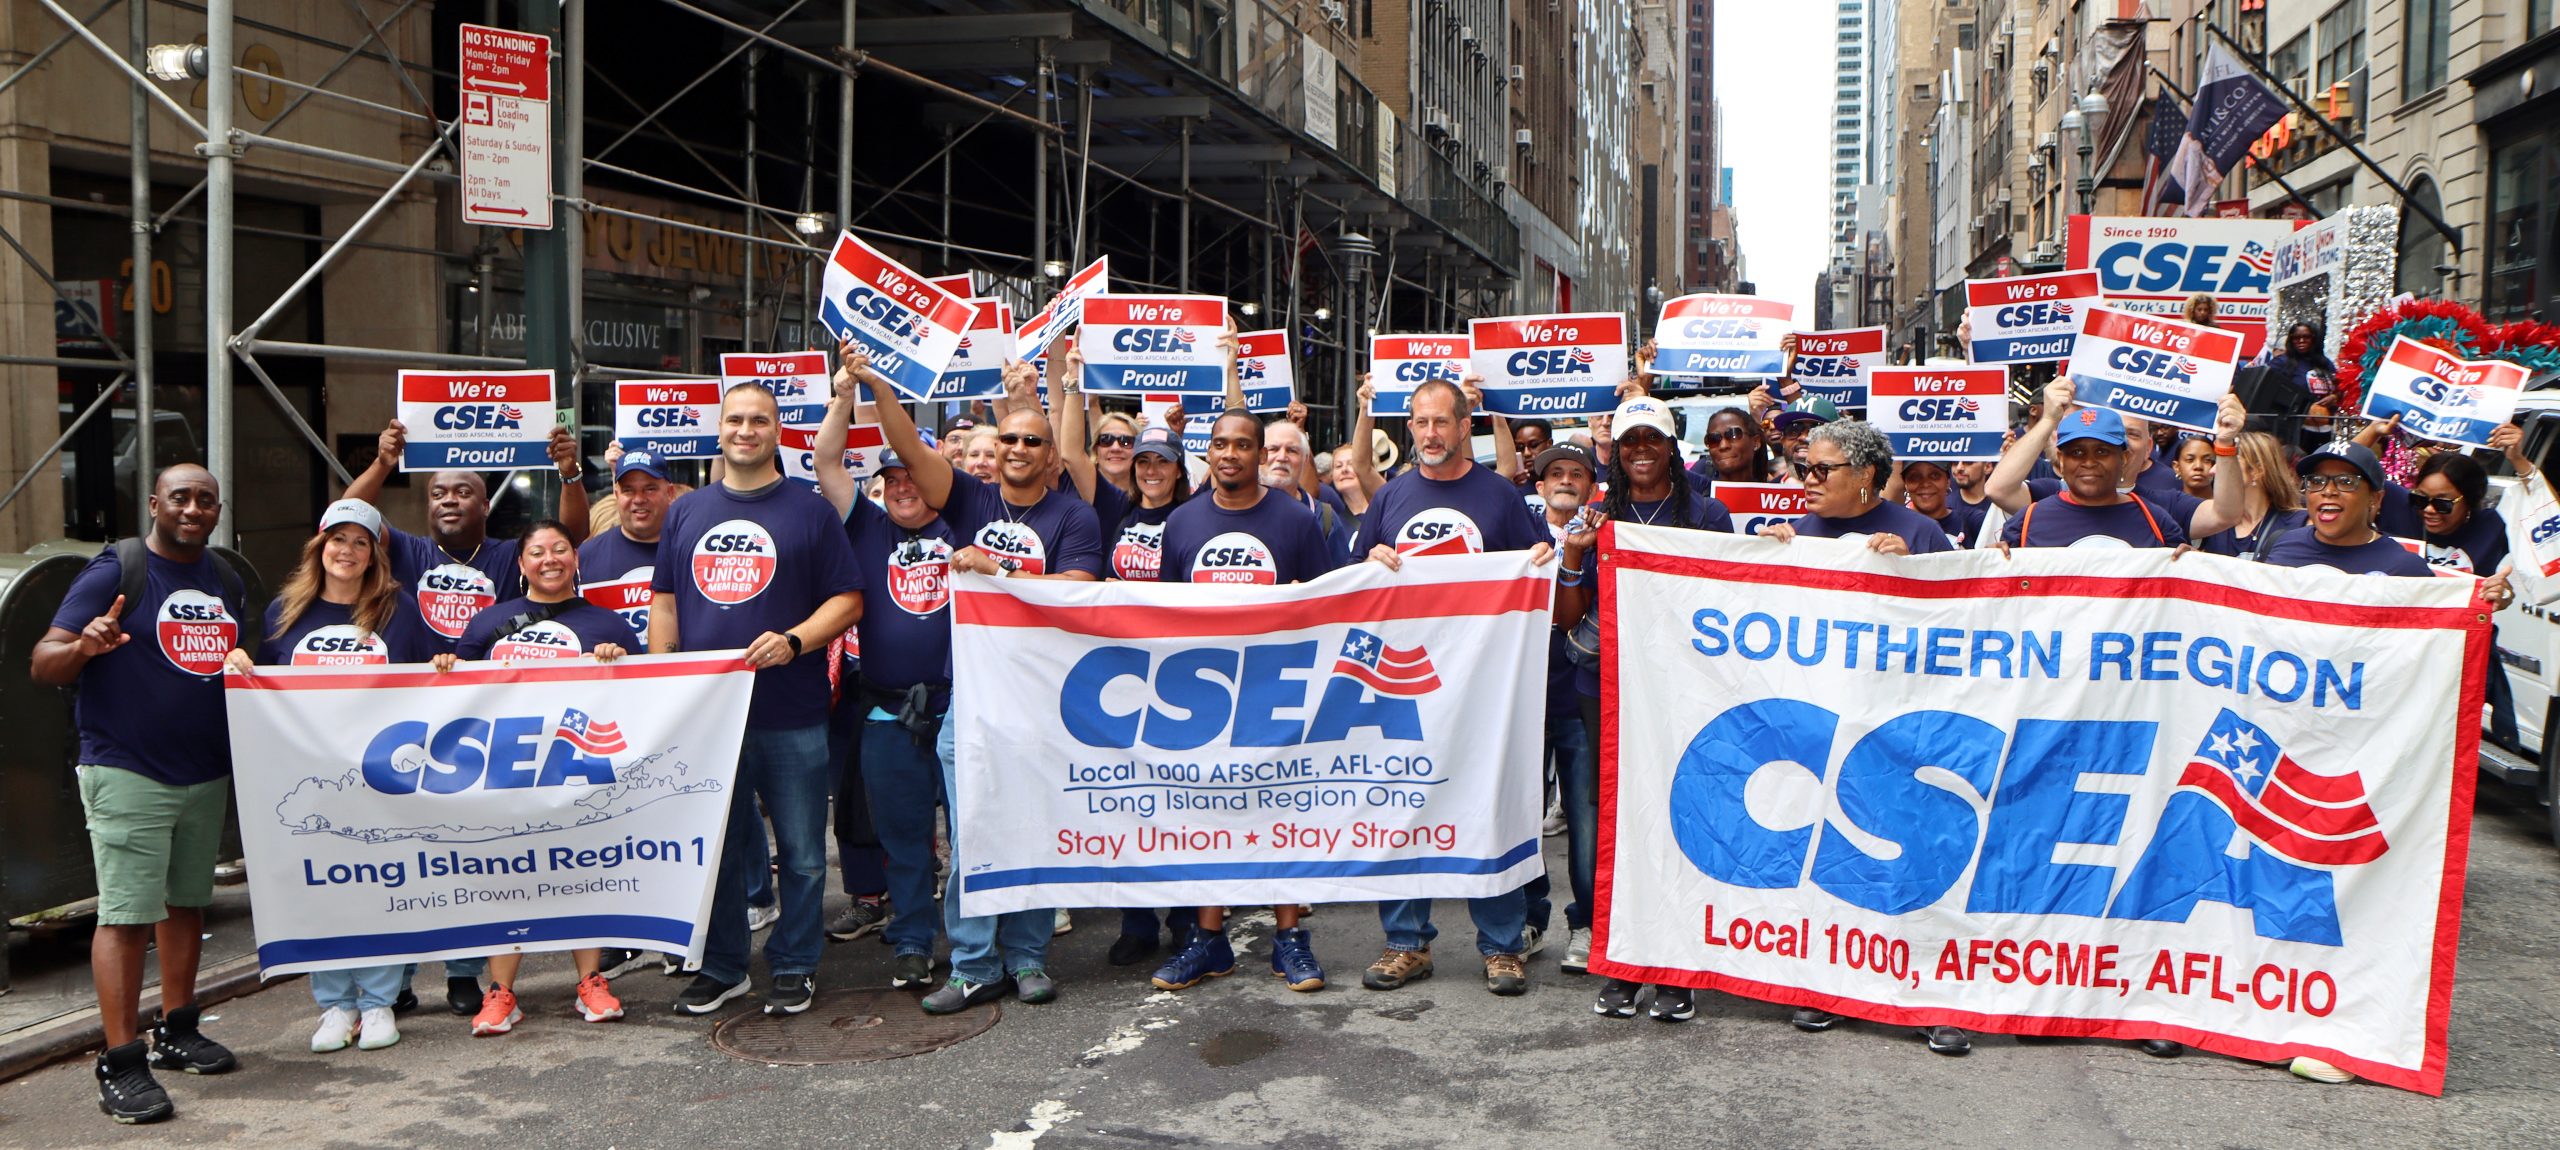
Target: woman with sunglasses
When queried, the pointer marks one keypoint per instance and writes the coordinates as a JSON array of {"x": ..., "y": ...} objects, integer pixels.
[
  {"x": 1846, "y": 465},
  {"x": 1736, "y": 452},
  {"x": 1115, "y": 444}
]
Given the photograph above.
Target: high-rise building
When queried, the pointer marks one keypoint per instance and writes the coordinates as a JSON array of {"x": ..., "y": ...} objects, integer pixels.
[
  {"x": 1851, "y": 161},
  {"x": 1604, "y": 38},
  {"x": 1708, "y": 263}
]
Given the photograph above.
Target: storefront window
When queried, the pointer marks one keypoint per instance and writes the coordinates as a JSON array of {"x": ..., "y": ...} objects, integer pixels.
[{"x": 2516, "y": 243}]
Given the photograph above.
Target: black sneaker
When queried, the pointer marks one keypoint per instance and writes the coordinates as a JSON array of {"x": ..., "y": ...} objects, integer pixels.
[
  {"x": 407, "y": 1003},
  {"x": 2162, "y": 1048},
  {"x": 911, "y": 970},
  {"x": 706, "y": 994},
  {"x": 462, "y": 993},
  {"x": 790, "y": 994},
  {"x": 1811, "y": 1021},
  {"x": 1947, "y": 1040},
  {"x": 126, "y": 1090},
  {"x": 177, "y": 1045},
  {"x": 865, "y": 916},
  {"x": 1672, "y": 1004},
  {"x": 1617, "y": 999},
  {"x": 1132, "y": 949}
]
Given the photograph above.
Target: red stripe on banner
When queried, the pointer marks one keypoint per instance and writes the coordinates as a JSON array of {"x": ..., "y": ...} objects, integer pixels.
[
  {"x": 1383, "y": 685},
  {"x": 1117, "y": 621},
  {"x": 2327, "y": 790},
  {"x": 2333, "y": 822},
  {"x": 1604, "y": 868},
  {"x": 481, "y": 674},
  {"x": 2215, "y": 784}
]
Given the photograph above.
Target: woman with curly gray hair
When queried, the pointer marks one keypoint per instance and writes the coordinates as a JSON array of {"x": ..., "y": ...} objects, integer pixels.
[{"x": 1846, "y": 466}]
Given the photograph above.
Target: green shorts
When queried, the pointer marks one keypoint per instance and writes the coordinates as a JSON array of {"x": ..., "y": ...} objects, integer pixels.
[{"x": 153, "y": 843}]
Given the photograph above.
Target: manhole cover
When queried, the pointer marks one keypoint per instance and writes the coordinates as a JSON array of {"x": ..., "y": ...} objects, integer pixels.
[{"x": 849, "y": 1026}]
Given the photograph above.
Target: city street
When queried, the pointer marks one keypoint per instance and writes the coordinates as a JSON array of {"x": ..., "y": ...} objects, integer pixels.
[{"x": 1245, "y": 1062}]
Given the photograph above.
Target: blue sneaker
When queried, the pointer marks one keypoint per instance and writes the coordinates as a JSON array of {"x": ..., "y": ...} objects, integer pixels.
[
  {"x": 1293, "y": 960},
  {"x": 1207, "y": 954}
]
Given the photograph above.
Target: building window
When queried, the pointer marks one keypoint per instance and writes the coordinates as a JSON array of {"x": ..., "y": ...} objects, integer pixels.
[
  {"x": 2292, "y": 64},
  {"x": 2537, "y": 17},
  {"x": 2341, "y": 44},
  {"x": 2426, "y": 26},
  {"x": 2422, "y": 247},
  {"x": 2519, "y": 237}
]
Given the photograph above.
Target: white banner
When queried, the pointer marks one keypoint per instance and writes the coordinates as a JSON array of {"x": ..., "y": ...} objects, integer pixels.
[
  {"x": 910, "y": 325},
  {"x": 2443, "y": 397},
  {"x": 1371, "y": 735},
  {"x": 2164, "y": 370},
  {"x": 2093, "y": 794},
  {"x": 395, "y": 814}
]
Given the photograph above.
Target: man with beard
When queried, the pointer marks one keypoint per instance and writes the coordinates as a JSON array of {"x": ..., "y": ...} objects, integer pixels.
[{"x": 1289, "y": 468}]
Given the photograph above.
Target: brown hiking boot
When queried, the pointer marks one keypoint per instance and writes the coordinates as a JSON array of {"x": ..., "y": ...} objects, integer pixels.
[
  {"x": 1398, "y": 967},
  {"x": 1504, "y": 974}
]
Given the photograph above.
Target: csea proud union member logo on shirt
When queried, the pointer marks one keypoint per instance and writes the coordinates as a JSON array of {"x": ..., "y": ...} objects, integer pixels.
[
  {"x": 1006, "y": 539},
  {"x": 734, "y": 562},
  {"x": 1235, "y": 557},
  {"x": 449, "y": 594},
  {"x": 195, "y": 631},
  {"x": 547, "y": 639},
  {"x": 1439, "y": 531},
  {"x": 920, "y": 575},
  {"x": 340, "y": 645},
  {"x": 1138, "y": 554}
]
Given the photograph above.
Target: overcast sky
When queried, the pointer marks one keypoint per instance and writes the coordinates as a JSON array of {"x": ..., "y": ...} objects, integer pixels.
[{"x": 1773, "y": 77}]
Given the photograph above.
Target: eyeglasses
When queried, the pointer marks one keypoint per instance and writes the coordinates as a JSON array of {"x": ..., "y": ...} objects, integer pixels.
[
  {"x": 1024, "y": 439},
  {"x": 2343, "y": 484},
  {"x": 1822, "y": 472},
  {"x": 1108, "y": 441},
  {"x": 1728, "y": 435},
  {"x": 2440, "y": 504}
]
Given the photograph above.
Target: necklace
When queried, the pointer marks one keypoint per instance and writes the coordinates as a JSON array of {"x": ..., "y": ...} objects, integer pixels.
[
  {"x": 467, "y": 560},
  {"x": 1658, "y": 507}
]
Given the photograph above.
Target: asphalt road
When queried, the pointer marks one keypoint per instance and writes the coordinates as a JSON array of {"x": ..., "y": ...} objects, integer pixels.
[{"x": 1245, "y": 1062}]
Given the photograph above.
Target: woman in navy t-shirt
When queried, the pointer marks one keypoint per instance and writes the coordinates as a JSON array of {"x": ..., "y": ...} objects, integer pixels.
[
  {"x": 1846, "y": 464},
  {"x": 2342, "y": 491},
  {"x": 2270, "y": 507},
  {"x": 1925, "y": 484}
]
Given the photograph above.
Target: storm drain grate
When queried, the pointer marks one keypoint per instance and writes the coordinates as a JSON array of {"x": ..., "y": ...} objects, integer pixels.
[{"x": 849, "y": 1026}]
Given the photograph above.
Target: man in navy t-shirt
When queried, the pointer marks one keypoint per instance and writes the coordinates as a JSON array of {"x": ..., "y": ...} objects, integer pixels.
[
  {"x": 1449, "y": 506},
  {"x": 155, "y": 777},
  {"x": 2088, "y": 506},
  {"x": 456, "y": 571},
  {"x": 759, "y": 563},
  {"x": 615, "y": 569}
]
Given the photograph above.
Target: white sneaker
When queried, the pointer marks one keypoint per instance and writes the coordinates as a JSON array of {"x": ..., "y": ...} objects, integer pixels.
[
  {"x": 1532, "y": 940},
  {"x": 1554, "y": 824},
  {"x": 337, "y": 1028},
  {"x": 2318, "y": 1071},
  {"x": 1577, "y": 951},
  {"x": 760, "y": 917},
  {"x": 380, "y": 1029},
  {"x": 1062, "y": 925}
]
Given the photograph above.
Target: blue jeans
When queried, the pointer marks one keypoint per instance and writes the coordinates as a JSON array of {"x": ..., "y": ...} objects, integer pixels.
[
  {"x": 905, "y": 784},
  {"x": 1581, "y": 780},
  {"x": 987, "y": 948},
  {"x": 757, "y": 853},
  {"x": 362, "y": 988},
  {"x": 1568, "y": 751},
  {"x": 858, "y": 853},
  {"x": 788, "y": 770},
  {"x": 1499, "y": 919}
]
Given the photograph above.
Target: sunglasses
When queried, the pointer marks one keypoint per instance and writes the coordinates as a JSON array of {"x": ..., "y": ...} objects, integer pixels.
[
  {"x": 1110, "y": 441},
  {"x": 2440, "y": 504},
  {"x": 2342, "y": 484},
  {"x": 1023, "y": 439},
  {"x": 1729, "y": 434}
]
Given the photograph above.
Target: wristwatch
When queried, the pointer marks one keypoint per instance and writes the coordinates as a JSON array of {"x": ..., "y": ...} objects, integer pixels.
[
  {"x": 1008, "y": 566},
  {"x": 794, "y": 640}
]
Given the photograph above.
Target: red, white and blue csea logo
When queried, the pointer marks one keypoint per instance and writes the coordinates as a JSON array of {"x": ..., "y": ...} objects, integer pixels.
[
  {"x": 2188, "y": 367},
  {"x": 1386, "y": 670},
  {"x": 1184, "y": 336},
  {"x": 511, "y": 411},
  {"x": 1583, "y": 355},
  {"x": 584, "y": 732},
  {"x": 2062, "y": 311},
  {"x": 2259, "y": 256}
]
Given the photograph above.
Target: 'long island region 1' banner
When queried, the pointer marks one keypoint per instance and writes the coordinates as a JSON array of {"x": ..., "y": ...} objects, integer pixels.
[
  {"x": 2065, "y": 792},
  {"x": 400, "y": 814},
  {"x": 1373, "y": 734}
]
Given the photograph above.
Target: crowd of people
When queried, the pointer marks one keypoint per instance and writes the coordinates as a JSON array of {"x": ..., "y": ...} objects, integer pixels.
[{"x": 847, "y": 733}]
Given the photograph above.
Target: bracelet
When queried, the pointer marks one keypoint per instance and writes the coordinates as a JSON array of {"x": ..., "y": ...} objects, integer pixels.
[
  {"x": 2225, "y": 450},
  {"x": 1572, "y": 570},
  {"x": 1575, "y": 581}
]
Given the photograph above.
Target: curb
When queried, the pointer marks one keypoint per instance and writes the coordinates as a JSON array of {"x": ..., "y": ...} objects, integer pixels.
[{"x": 67, "y": 1037}]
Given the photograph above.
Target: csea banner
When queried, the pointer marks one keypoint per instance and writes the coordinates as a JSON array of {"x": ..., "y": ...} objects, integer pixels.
[
  {"x": 976, "y": 370},
  {"x": 1758, "y": 505},
  {"x": 910, "y": 325},
  {"x": 1722, "y": 335},
  {"x": 1400, "y": 363},
  {"x": 2443, "y": 397},
  {"x": 2028, "y": 319},
  {"x": 1064, "y": 310},
  {"x": 800, "y": 382},
  {"x": 1542, "y": 365},
  {"x": 477, "y": 420},
  {"x": 1136, "y": 344},
  {"x": 668, "y": 418},
  {"x": 2163, "y": 370},
  {"x": 2153, "y": 265},
  {"x": 395, "y": 814},
  {"x": 2091, "y": 794},
  {"x": 1834, "y": 364},
  {"x": 1263, "y": 367},
  {"x": 1373, "y": 734},
  {"x": 1941, "y": 413}
]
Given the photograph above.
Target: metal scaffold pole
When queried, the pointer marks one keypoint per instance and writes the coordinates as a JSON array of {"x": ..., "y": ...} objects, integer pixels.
[
  {"x": 221, "y": 93},
  {"x": 138, "y": 292}
]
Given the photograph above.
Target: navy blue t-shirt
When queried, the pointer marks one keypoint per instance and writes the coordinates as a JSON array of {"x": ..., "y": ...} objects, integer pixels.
[
  {"x": 906, "y": 599},
  {"x": 1703, "y": 513},
  {"x": 453, "y": 589},
  {"x": 327, "y": 636},
  {"x": 1341, "y": 528},
  {"x": 1919, "y": 532},
  {"x": 740, "y": 564},
  {"x": 1961, "y": 522},
  {"x": 614, "y": 572},
  {"x": 2383, "y": 555},
  {"x": 2160, "y": 481},
  {"x": 573, "y": 631},
  {"x": 2056, "y": 521},
  {"x": 154, "y": 705},
  {"x": 2478, "y": 547},
  {"x": 2238, "y": 546},
  {"x": 1057, "y": 535},
  {"x": 1133, "y": 534},
  {"x": 1274, "y": 541},
  {"x": 1477, "y": 511}
]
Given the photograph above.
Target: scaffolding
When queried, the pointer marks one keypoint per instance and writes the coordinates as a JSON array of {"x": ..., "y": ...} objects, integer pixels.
[{"x": 1319, "y": 207}]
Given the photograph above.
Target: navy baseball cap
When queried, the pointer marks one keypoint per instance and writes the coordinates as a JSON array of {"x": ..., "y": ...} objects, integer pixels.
[
  {"x": 1807, "y": 409},
  {"x": 2096, "y": 423},
  {"x": 645, "y": 462},
  {"x": 2356, "y": 455},
  {"x": 1159, "y": 442}
]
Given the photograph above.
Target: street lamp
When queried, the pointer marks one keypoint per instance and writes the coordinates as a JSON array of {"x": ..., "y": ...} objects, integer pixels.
[{"x": 2082, "y": 121}]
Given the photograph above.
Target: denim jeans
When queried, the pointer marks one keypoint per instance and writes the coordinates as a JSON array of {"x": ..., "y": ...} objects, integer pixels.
[
  {"x": 788, "y": 769},
  {"x": 361, "y": 988},
  {"x": 987, "y": 948},
  {"x": 1581, "y": 780},
  {"x": 757, "y": 853},
  {"x": 858, "y": 853},
  {"x": 1567, "y": 750},
  {"x": 1499, "y": 919},
  {"x": 905, "y": 784}
]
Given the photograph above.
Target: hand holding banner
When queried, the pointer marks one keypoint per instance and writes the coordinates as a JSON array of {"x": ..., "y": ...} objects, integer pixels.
[
  {"x": 2163, "y": 370},
  {"x": 1941, "y": 413},
  {"x": 481, "y": 421},
  {"x": 1722, "y": 335},
  {"x": 1264, "y": 368},
  {"x": 1399, "y": 363},
  {"x": 671, "y": 418},
  {"x": 910, "y": 326},
  {"x": 2443, "y": 397},
  {"x": 1834, "y": 364},
  {"x": 2028, "y": 319},
  {"x": 1542, "y": 365},
  {"x": 1138, "y": 344}
]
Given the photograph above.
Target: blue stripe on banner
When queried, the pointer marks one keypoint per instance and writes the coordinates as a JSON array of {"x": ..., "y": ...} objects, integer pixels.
[
  {"x": 1210, "y": 872},
  {"x": 673, "y": 447},
  {"x": 2420, "y": 422},
  {"x": 1668, "y": 361},
  {"x": 496, "y": 936},
  {"x": 1544, "y": 401},
  {"x": 416, "y": 456},
  {"x": 983, "y": 384},
  {"x": 798, "y": 414},
  {"x": 1841, "y": 395},
  {"x": 1267, "y": 398},
  {"x": 2184, "y": 411},
  {"x": 1190, "y": 380},
  {"x": 1392, "y": 402},
  {"x": 911, "y": 378},
  {"x": 1945, "y": 445},
  {"x": 2024, "y": 349}
]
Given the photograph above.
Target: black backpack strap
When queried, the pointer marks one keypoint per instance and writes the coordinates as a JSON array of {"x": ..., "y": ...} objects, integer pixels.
[
  {"x": 133, "y": 581},
  {"x": 541, "y": 613},
  {"x": 2268, "y": 531}
]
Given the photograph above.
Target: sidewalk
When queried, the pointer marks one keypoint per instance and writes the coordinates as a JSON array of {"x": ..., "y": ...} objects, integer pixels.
[{"x": 50, "y": 1010}]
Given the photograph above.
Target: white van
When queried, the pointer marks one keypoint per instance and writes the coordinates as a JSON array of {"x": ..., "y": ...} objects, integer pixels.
[{"x": 2529, "y": 636}]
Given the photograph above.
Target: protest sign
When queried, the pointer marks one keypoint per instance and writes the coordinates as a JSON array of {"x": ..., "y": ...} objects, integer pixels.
[
  {"x": 2441, "y": 396},
  {"x": 2028, "y": 319},
  {"x": 1064, "y": 310},
  {"x": 1543, "y": 365},
  {"x": 800, "y": 381},
  {"x": 976, "y": 370},
  {"x": 669, "y": 418},
  {"x": 2152, "y": 265},
  {"x": 1370, "y": 735},
  {"x": 2057, "y": 792},
  {"x": 1722, "y": 335},
  {"x": 910, "y": 327},
  {"x": 1399, "y": 363},
  {"x": 1941, "y": 413},
  {"x": 395, "y": 814},
  {"x": 476, "y": 420},
  {"x": 1136, "y": 344},
  {"x": 2163, "y": 370},
  {"x": 1834, "y": 364},
  {"x": 1758, "y": 505},
  {"x": 1266, "y": 371}
]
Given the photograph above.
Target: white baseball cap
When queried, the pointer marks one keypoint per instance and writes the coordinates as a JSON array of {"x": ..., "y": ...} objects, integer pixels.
[
  {"x": 1642, "y": 411},
  {"x": 355, "y": 511}
]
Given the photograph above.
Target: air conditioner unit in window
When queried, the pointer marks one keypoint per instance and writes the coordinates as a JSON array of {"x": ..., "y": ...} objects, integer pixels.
[
  {"x": 1519, "y": 73},
  {"x": 1521, "y": 137},
  {"x": 1467, "y": 35}
]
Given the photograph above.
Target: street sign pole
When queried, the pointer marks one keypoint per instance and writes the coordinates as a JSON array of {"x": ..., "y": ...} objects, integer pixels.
[{"x": 510, "y": 163}]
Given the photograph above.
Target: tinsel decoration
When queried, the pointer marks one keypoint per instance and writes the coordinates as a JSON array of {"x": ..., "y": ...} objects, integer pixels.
[{"x": 2370, "y": 275}]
